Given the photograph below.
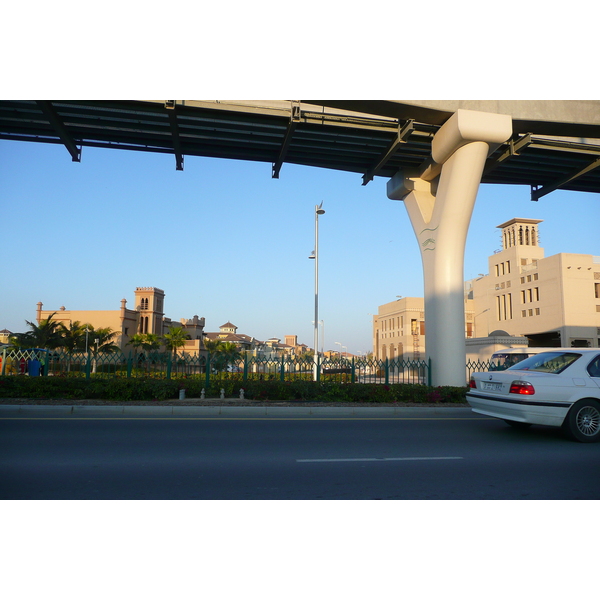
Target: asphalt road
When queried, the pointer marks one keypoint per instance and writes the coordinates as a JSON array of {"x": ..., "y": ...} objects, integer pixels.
[{"x": 246, "y": 454}]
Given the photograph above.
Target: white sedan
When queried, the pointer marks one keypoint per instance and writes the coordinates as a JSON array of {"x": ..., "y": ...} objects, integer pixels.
[{"x": 558, "y": 387}]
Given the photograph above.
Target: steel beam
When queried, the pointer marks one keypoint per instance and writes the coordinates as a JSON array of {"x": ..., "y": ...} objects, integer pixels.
[
  {"x": 170, "y": 106},
  {"x": 537, "y": 192},
  {"x": 60, "y": 129},
  {"x": 403, "y": 132},
  {"x": 289, "y": 133}
]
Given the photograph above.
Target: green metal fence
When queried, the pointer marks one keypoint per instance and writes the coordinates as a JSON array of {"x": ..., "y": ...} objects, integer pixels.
[{"x": 212, "y": 367}]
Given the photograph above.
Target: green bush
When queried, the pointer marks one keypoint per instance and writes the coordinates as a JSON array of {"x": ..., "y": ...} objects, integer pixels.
[{"x": 122, "y": 389}]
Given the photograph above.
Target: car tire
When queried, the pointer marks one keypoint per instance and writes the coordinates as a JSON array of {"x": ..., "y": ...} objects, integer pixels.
[
  {"x": 517, "y": 424},
  {"x": 582, "y": 422}
]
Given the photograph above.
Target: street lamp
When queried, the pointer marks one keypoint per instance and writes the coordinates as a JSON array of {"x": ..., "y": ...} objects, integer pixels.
[
  {"x": 340, "y": 345},
  {"x": 315, "y": 254}
]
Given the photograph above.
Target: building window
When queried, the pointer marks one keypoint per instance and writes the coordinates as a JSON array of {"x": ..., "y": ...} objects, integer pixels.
[
  {"x": 523, "y": 313},
  {"x": 597, "y": 289},
  {"x": 535, "y": 276},
  {"x": 537, "y": 311},
  {"x": 537, "y": 294},
  {"x": 522, "y": 279}
]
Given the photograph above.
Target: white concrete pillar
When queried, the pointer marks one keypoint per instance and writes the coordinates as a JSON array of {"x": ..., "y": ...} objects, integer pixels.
[{"x": 440, "y": 200}]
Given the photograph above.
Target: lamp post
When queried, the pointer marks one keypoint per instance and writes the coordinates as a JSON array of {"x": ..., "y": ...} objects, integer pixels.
[
  {"x": 340, "y": 345},
  {"x": 315, "y": 255}
]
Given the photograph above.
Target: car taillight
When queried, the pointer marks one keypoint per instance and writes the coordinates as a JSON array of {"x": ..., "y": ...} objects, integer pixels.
[
  {"x": 521, "y": 387},
  {"x": 472, "y": 383}
]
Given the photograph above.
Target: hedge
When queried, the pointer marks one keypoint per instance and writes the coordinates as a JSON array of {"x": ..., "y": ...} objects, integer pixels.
[{"x": 156, "y": 389}]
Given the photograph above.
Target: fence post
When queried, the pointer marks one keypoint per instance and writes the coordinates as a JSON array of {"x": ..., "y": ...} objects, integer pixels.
[
  {"x": 207, "y": 379},
  {"x": 169, "y": 365},
  {"x": 129, "y": 365},
  {"x": 429, "y": 372},
  {"x": 282, "y": 369},
  {"x": 88, "y": 365},
  {"x": 387, "y": 371},
  {"x": 318, "y": 367},
  {"x": 45, "y": 363},
  {"x": 353, "y": 376},
  {"x": 3, "y": 362},
  {"x": 245, "y": 366}
]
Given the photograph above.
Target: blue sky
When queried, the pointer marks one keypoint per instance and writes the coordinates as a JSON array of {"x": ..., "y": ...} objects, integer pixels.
[{"x": 229, "y": 243}]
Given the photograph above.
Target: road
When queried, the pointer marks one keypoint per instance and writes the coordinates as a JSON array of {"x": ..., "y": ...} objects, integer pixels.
[{"x": 413, "y": 454}]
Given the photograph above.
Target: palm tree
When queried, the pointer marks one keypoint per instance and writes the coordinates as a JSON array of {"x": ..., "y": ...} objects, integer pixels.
[
  {"x": 151, "y": 342},
  {"x": 103, "y": 342},
  {"x": 137, "y": 341},
  {"x": 229, "y": 353},
  {"x": 230, "y": 349},
  {"x": 213, "y": 346},
  {"x": 45, "y": 335},
  {"x": 73, "y": 336},
  {"x": 175, "y": 339}
]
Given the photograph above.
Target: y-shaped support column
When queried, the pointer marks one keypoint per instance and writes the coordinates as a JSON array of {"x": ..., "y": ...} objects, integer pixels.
[{"x": 440, "y": 200}]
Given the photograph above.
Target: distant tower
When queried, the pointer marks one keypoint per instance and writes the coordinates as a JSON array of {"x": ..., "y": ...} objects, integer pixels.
[
  {"x": 149, "y": 303},
  {"x": 520, "y": 232}
]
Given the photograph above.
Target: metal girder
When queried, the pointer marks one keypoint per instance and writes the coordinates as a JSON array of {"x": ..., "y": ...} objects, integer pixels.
[
  {"x": 271, "y": 132},
  {"x": 293, "y": 123},
  {"x": 403, "y": 132},
  {"x": 171, "y": 111},
  {"x": 513, "y": 148},
  {"x": 537, "y": 192},
  {"x": 60, "y": 129}
]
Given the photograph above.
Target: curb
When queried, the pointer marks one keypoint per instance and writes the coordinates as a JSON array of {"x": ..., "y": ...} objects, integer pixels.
[{"x": 62, "y": 411}]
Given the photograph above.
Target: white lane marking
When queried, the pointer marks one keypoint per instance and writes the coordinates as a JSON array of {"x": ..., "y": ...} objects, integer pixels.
[{"x": 304, "y": 460}]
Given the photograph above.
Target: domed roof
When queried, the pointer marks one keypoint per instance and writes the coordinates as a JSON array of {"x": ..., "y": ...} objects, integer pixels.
[{"x": 499, "y": 333}]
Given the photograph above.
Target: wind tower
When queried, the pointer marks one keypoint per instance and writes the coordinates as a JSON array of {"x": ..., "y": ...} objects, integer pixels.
[{"x": 149, "y": 303}]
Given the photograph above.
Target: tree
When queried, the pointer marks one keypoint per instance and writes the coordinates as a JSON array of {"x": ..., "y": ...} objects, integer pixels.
[
  {"x": 45, "y": 335},
  {"x": 175, "y": 339},
  {"x": 151, "y": 342},
  {"x": 231, "y": 350},
  {"x": 73, "y": 336},
  {"x": 213, "y": 346},
  {"x": 105, "y": 339},
  {"x": 136, "y": 341}
]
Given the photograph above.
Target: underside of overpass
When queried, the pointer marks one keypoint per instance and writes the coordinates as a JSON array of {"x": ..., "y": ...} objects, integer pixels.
[
  {"x": 435, "y": 154},
  {"x": 554, "y": 145}
]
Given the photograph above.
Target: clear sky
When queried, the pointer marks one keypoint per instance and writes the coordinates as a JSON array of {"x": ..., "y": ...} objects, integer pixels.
[{"x": 227, "y": 242}]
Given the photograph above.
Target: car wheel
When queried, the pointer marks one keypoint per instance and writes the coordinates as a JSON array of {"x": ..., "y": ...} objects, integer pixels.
[
  {"x": 583, "y": 421},
  {"x": 517, "y": 424}
]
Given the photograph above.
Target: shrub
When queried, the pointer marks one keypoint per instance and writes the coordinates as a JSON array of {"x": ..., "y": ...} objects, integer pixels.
[{"x": 150, "y": 388}]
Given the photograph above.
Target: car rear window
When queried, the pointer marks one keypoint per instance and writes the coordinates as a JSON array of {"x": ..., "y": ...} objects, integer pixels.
[{"x": 547, "y": 362}]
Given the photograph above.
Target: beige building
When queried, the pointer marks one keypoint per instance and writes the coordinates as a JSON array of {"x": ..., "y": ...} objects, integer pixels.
[
  {"x": 399, "y": 328},
  {"x": 526, "y": 299},
  {"x": 147, "y": 317},
  {"x": 553, "y": 301}
]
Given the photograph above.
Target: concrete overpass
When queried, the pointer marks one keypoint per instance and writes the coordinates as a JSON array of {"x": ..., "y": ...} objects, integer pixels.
[{"x": 435, "y": 153}]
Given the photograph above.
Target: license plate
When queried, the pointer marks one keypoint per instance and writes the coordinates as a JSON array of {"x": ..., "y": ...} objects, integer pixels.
[{"x": 492, "y": 386}]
